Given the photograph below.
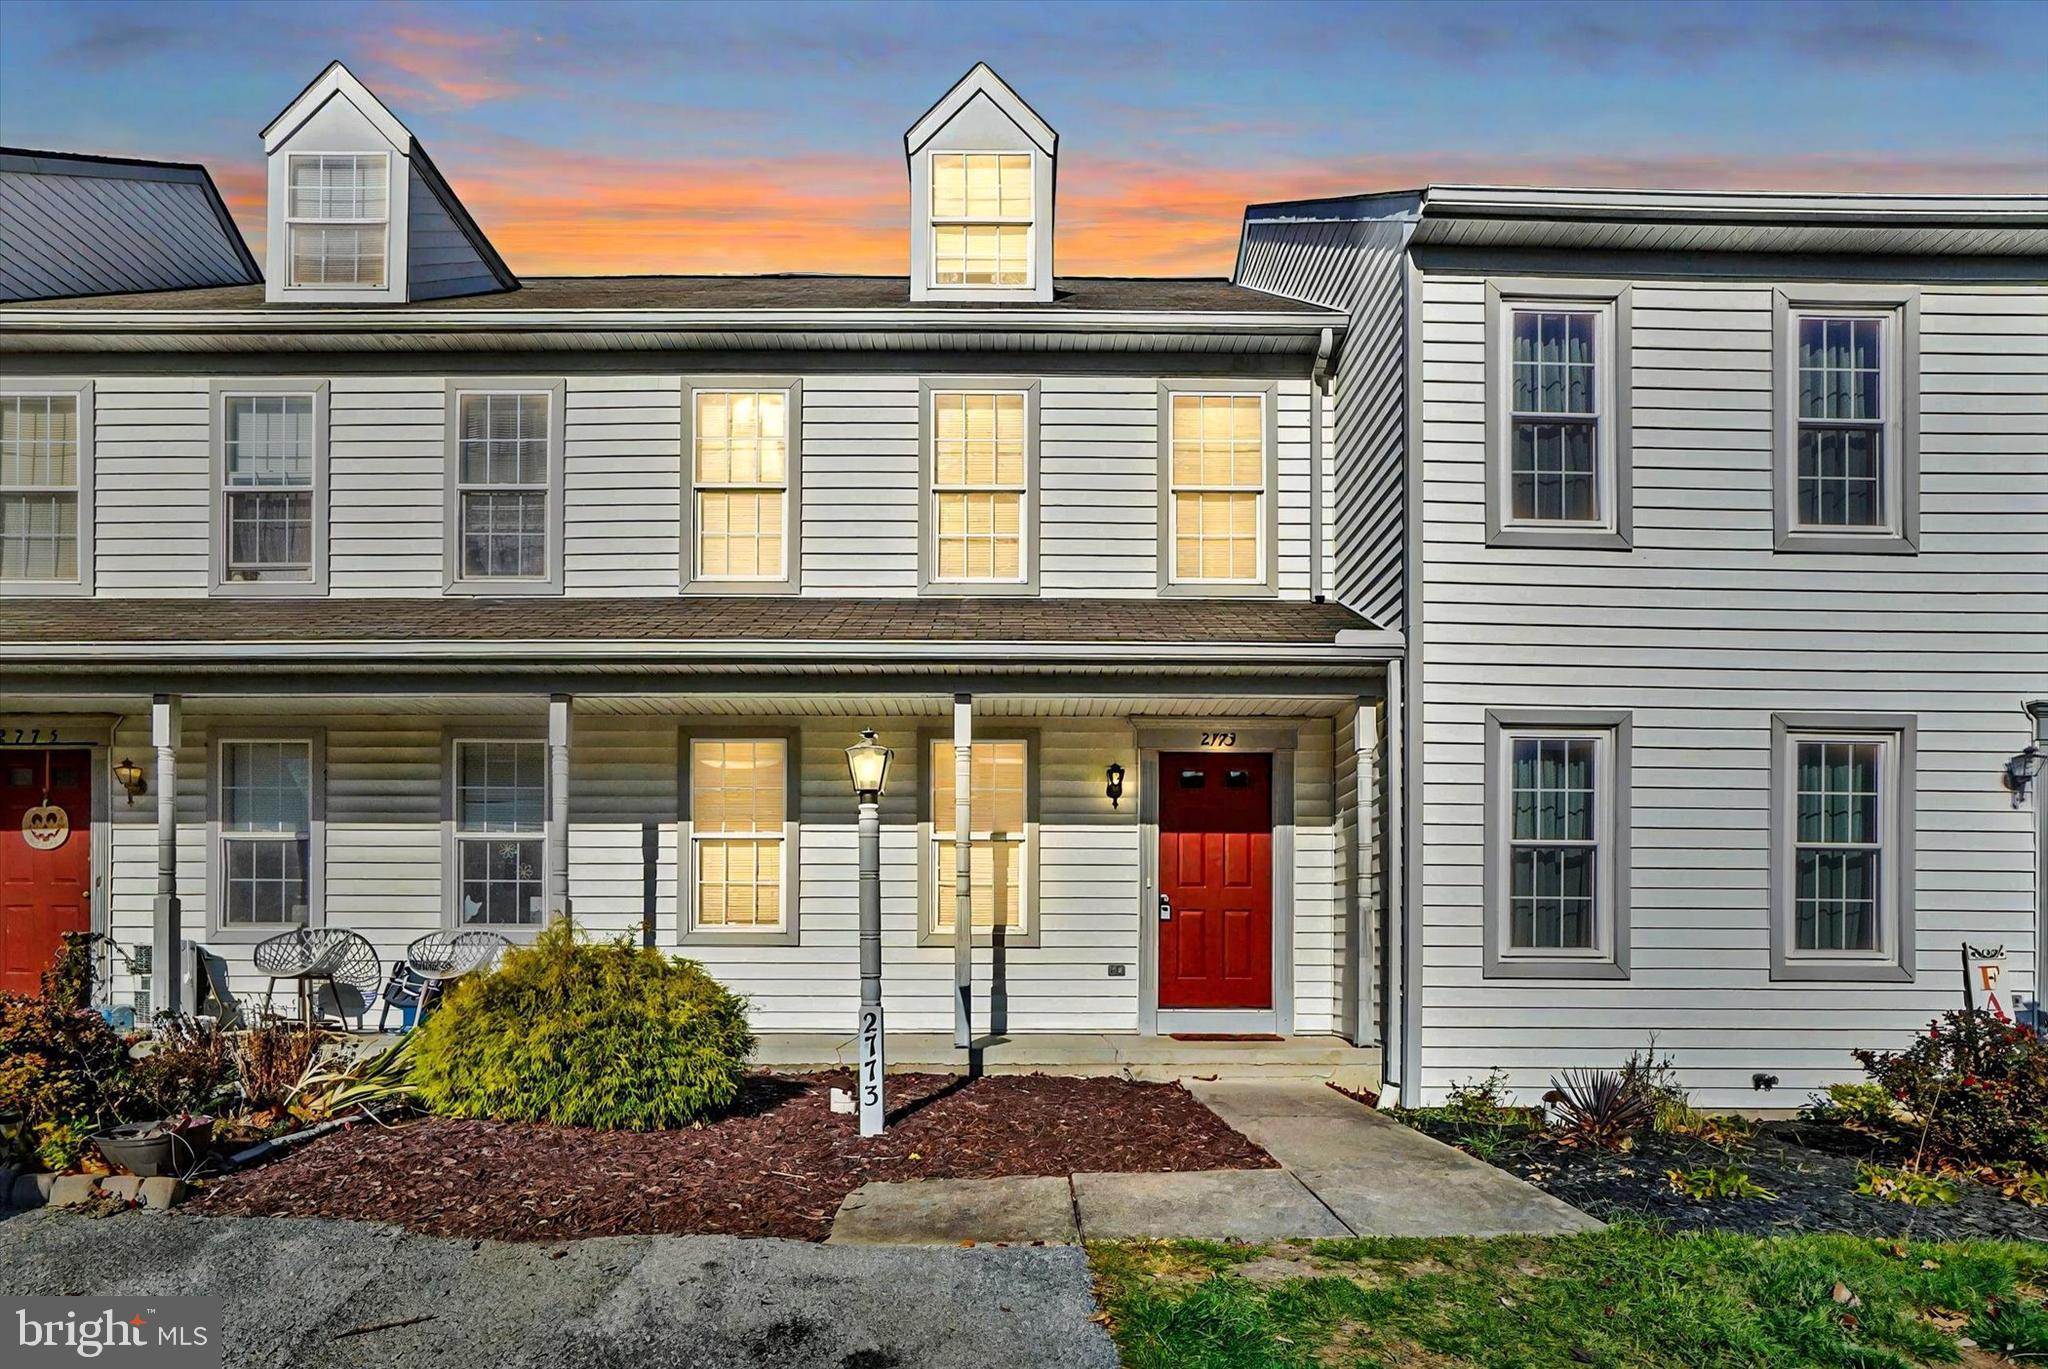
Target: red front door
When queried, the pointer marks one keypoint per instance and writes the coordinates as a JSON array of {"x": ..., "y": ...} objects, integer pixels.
[
  {"x": 1216, "y": 877},
  {"x": 45, "y": 860}
]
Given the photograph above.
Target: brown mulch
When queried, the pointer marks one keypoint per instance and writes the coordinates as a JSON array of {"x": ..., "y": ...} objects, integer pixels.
[{"x": 778, "y": 1165}]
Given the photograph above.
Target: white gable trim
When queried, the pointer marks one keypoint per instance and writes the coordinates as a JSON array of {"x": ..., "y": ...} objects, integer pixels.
[
  {"x": 981, "y": 81},
  {"x": 336, "y": 80}
]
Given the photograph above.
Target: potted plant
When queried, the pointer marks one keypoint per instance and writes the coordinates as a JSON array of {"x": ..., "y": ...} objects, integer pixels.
[{"x": 173, "y": 1146}]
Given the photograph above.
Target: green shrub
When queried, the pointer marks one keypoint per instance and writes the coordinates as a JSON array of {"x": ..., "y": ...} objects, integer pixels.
[
  {"x": 1907, "y": 1186},
  {"x": 61, "y": 1065},
  {"x": 1977, "y": 1087},
  {"x": 1712, "y": 1184},
  {"x": 1481, "y": 1102},
  {"x": 60, "y": 1146},
  {"x": 585, "y": 1034}
]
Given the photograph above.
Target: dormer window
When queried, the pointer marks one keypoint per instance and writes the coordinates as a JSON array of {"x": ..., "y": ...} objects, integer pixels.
[
  {"x": 981, "y": 218},
  {"x": 339, "y": 219}
]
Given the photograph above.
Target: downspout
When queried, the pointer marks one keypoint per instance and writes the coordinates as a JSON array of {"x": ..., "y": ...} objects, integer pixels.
[{"x": 1320, "y": 386}]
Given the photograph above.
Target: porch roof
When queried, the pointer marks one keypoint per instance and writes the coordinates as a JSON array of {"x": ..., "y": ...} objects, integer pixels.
[{"x": 69, "y": 631}]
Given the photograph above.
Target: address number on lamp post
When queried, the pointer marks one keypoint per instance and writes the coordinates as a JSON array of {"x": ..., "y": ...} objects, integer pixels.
[{"x": 870, "y": 1081}]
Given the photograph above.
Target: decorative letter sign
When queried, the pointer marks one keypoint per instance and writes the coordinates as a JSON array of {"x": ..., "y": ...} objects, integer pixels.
[
  {"x": 45, "y": 827},
  {"x": 1982, "y": 972}
]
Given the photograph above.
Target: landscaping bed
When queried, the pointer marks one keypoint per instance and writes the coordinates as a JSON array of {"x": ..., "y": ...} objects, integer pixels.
[{"x": 777, "y": 1164}]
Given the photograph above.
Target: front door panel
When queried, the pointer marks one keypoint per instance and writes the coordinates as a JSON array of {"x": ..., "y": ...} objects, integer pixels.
[
  {"x": 45, "y": 860},
  {"x": 1216, "y": 875}
]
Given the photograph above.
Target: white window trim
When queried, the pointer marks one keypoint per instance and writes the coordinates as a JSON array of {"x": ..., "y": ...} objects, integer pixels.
[
  {"x": 928, "y": 839},
  {"x": 1892, "y": 960},
  {"x": 315, "y": 740},
  {"x": 1267, "y": 581},
  {"x": 929, "y": 582},
  {"x": 1614, "y": 440},
  {"x": 81, "y": 393},
  {"x": 317, "y": 583},
  {"x": 792, "y": 488},
  {"x": 688, "y": 931},
  {"x": 454, "y": 581},
  {"x": 292, "y": 221},
  {"x": 934, "y": 221},
  {"x": 1608, "y": 957},
  {"x": 453, "y": 739},
  {"x": 1898, "y": 311}
]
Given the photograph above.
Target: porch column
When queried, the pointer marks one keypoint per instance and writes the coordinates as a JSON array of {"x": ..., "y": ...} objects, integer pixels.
[
  {"x": 167, "y": 929},
  {"x": 963, "y": 882},
  {"x": 558, "y": 805}
]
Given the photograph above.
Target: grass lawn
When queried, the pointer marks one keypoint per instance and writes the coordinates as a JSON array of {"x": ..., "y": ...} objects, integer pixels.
[{"x": 1627, "y": 1296}]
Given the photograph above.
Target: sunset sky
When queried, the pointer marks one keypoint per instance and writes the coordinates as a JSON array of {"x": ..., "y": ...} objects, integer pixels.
[{"x": 604, "y": 137}]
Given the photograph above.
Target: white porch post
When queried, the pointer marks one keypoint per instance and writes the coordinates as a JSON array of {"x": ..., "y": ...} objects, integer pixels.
[
  {"x": 963, "y": 882},
  {"x": 558, "y": 805},
  {"x": 167, "y": 929}
]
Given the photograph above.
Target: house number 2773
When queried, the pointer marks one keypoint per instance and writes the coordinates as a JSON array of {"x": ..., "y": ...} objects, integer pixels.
[
  {"x": 1219, "y": 739},
  {"x": 27, "y": 736}
]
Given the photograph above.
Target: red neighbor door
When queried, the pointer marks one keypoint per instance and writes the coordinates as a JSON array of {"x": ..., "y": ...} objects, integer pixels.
[
  {"x": 1216, "y": 875},
  {"x": 45, "y": 859}
]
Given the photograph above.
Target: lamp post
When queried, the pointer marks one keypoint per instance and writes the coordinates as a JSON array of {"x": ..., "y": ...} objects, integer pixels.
[{"x": 868, "y": 762}]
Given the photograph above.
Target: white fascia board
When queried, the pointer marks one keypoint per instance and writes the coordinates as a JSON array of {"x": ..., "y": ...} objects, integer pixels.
[
  {"x": 1745, "y": 206},
  {"x": 982, "y": 80},
  {"x": 1353, "y": 647},
  {"x": 336, "y": 80}
]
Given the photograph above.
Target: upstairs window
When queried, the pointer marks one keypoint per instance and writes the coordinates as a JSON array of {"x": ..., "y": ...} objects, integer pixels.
[
  {"x": 1554, "y": 417},
  {"x": 981, "y": 218},
  {"x": 979, "y": 485},
  {"x": 268, "y": 493},
  {"x": 1217, "y": 496},
  {"x": 503, "y": 485},
  {"x": 40, "y": 483},
  {"x": 741, "y": 486},
  {"x": 338, "y": 219},
  {"x": 1842, "y": 418}
]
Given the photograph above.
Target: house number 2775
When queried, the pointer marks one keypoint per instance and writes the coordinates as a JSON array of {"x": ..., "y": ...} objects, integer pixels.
[{"x": 1219, "y": 739}]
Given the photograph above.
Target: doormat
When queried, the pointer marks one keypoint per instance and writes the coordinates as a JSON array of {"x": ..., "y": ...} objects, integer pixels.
[{"x": 1225, "y": 1036}]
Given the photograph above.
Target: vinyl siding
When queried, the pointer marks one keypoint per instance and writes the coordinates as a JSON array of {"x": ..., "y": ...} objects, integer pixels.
[
  {"x": 383, "y": 864},
  {"x": 440, "y": 261},
  {"x": 1702, "y": 632}
]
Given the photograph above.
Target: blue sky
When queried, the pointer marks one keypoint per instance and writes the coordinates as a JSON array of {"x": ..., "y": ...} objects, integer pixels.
[{"x": 602, "y": 136}]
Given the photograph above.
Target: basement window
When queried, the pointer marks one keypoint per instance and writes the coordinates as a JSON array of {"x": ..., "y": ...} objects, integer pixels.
[{"x": 338, "y": 220}]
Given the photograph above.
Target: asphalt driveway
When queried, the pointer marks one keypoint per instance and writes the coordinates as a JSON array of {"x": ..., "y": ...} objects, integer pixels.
[{"x": 300, "y": 1291}]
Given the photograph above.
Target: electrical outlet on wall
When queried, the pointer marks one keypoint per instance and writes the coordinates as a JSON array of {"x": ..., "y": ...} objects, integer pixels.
[{"x": 1116, "y": 972}]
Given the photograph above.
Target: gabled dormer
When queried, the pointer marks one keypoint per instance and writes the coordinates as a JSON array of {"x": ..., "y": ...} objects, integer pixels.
[
  {"x": 982, "y": 169},
  {"x": 358, "y": 212}
]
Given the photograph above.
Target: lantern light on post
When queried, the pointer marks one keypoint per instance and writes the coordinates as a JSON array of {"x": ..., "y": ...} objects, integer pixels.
[
  {"x": 867, "y": 761},
  {"x": 128, "y": 775},
  {"x": 1115, "y": 787}
]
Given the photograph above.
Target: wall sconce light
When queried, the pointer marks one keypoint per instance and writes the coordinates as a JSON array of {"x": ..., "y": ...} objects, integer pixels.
[
  {"x": 1115, "y": 787},
  {"x": 128, "y": 775},
  {"x": 2022, "y": 770}
]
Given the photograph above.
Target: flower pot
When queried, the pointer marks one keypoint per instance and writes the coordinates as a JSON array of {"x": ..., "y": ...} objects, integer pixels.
[{"x": 154, "y": 1149}]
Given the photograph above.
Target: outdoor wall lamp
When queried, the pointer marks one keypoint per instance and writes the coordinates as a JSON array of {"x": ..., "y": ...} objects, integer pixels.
[
  {"x": 867, "y": 761},
  {"x": 1115, "y": 787},
  {"x": 2022, "y": 770},
  {"x": 128, "y": 775}
]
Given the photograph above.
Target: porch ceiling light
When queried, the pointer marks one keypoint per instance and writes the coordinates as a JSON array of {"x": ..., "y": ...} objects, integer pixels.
[
  {"x": 868, "y": 762},
  {"x": 1115, "y": 788},
  {"x": 128, "y": 775}
]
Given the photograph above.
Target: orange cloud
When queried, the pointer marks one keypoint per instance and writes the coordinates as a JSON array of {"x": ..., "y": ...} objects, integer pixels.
[{"x": 446, "y": 68}]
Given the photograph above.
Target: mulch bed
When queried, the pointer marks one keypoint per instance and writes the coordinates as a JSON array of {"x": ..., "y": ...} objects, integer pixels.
[
  {"x": 778, "y": 1165},
  {"x": 1811, "y": 1168}
]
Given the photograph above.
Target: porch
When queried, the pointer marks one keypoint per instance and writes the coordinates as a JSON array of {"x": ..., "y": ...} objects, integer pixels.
[{"x": 1127, "y": 1055}]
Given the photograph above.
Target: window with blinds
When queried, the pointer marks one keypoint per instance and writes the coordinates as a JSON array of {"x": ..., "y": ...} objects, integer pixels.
[
  {"x": 741, "y": 477},
  {"x": 981, "y": 218},
  {"x": 39, "y": 487},
  {"x": 999, "y": 798},
  {"x": 268, "y": 488},
  {"x": 979, "y": 486},
  {"x": 502, "y": 483},
  {"x": 266, "y": 812},
  {"x": 739, "y": 810},
  {"x": 1217, "y": 495},
  {"x": 337, "y": 217},
  {"x": 501, "y": 791}
]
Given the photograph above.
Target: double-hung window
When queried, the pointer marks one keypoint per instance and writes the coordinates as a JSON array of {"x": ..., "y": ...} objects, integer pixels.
[
  {"x": 739, "y": 836},
  {"x": 1000, "y": 860},
  {"x": 265, "y": 864},
  {"x": 338, "y": 219},
  {"x": 1557, "y": 414},
  {"x": 270, "y": 467},
  {"x": 1218, "y": 505},
  {"x": 1557, "y": 864},
  {"x": 980, "y": 486},
  {"x": 506, "y": 488},
  {"x": 1842, "y": 848},
  {"x": 981, "y": 218},
  {"x": 1846, "y": 398},
  {"x": 741, "y": 461},
  {"x": 500, "y": 832},
  {"x": 43, "y": 484}
]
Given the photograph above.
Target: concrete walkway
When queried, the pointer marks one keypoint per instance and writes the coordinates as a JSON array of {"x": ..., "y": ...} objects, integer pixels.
[
  {"x": 305, "y": 1294},
  {"x": 1346, "y": 1171}
]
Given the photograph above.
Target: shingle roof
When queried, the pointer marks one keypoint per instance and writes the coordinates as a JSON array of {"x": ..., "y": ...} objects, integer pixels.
[
  {"x": 1070, "y": 293},
  {"x": 145, "y": 622}
]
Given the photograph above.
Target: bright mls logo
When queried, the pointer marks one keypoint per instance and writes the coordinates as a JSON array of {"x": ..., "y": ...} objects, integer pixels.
[{"x": 165, "y": 1333}]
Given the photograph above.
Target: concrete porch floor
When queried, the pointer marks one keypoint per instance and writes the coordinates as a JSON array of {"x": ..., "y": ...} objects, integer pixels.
[{"x": 1128, "y": 1055}]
